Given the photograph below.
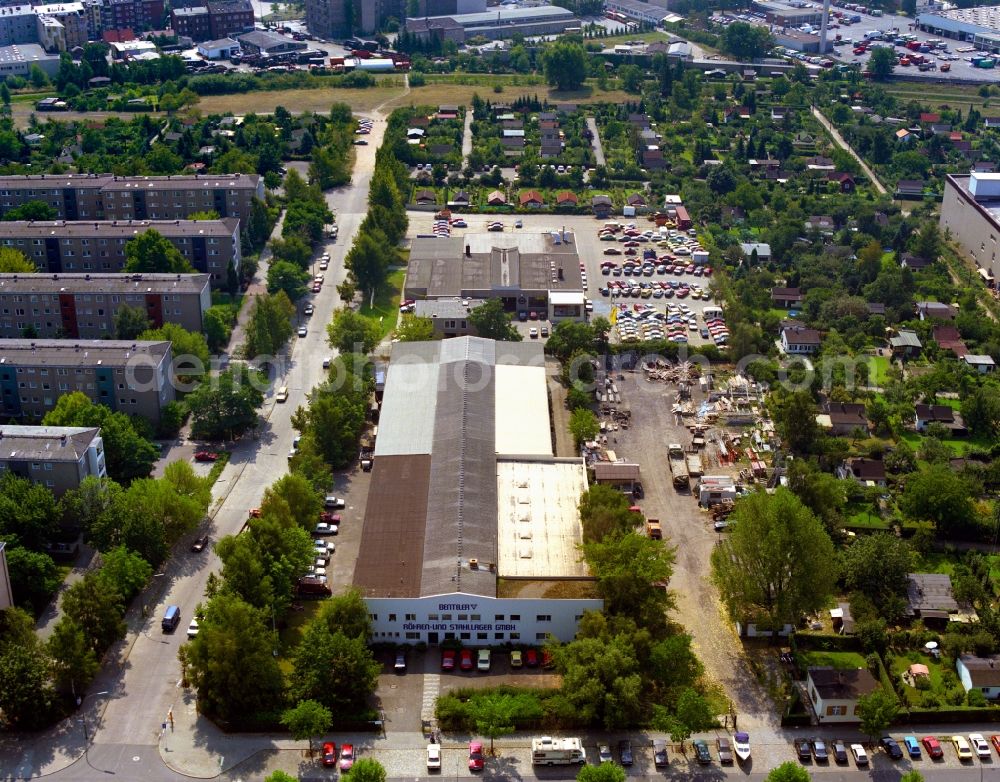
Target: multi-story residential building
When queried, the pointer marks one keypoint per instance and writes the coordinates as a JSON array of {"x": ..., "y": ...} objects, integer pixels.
[
  {"x": 57, "y": 457},
  {"x": 75, "y": 306},
  {"x": 70, "y": 17},
  {"x": 132, "y": 14},
  {"x": 229, "y": 18},
  {"x": 55, "y": 246},
  {"x": 133, "y": 377},
  {"x": 192, "y": 22},
  {"x": 108, "y": 197},
  {"x": 18, "y": 25}
]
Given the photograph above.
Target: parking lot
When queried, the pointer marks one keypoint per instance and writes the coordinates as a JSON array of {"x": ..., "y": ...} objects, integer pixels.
[{"x": 585, "y": 229}]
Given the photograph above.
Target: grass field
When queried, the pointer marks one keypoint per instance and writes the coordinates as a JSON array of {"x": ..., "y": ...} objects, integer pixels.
[{"x": 385, "y": 312}]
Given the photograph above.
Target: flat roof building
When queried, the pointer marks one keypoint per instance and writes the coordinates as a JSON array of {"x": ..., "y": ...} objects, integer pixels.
[
  {"x": 110, "y": 197},
  {"x": 970, "y": 211},
  {"x": 526, "y": 271},
  {"x": 56, "y": 246},
  {"x": 471, "y": 521},
  {"x": 498, "y": 23},
  {"x": 75, "y": 306},
  {"x": 125, "y": 375},
  {"x": 57, "y": 457}
]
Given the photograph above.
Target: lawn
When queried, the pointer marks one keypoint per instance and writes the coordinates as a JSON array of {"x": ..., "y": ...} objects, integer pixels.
[
  {"x": 839, "y": 660},
  {"x": 291, "y": 634},
  {"x": 385, "y": 312}
]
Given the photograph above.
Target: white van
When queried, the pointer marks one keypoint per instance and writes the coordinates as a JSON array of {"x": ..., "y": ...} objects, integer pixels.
[{"x": 282, "y": 395}]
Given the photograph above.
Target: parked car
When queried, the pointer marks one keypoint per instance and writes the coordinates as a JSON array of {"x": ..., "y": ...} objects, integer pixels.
[
  {"x": 912, "y": 746},
  {"x": 725, "y": 750},
  {"x": 659, "y": 753},
  {"x": 701, "y": 753},
  {"x": 625, "y": 752},
  {"x": 329, "y": 754},
  {"x": 346, "y": 757},
  {"x": 199, "y": 544},
  {"x": 933, "y": 747},
  {"x": 980, "y": 746},
  {"x": 476, "y": 759},
  {"x": 860, "y": 756},
  {"x": 962, "y": 748},
  {"x": 891, "y": 747}
]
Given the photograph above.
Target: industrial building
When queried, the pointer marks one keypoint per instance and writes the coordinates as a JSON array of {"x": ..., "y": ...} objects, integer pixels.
[
  {"x": 980, "y": 25},
  {"x": 527, "y": 272},
  {"x": 970, "y": 210},
  {"x": 131, "y": 377},
  {"x": 471, "y": 522},
  {"x": 57, "y": 457},
  {"x": 83, "y": 306},
  {"x": 109, "y": 197},
  {"x": 17, "y": 59},
  {"x": 498, "y": 23},
  {"x": 792, "y": 14},
  {"x": 54, "y": 246}
]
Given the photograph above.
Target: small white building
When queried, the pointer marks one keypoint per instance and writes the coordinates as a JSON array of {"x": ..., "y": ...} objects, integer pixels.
[
  {"x": 222, "y": 49},
  {"x": 979, "y": 673},
  {"x": 834, "y": 693}
]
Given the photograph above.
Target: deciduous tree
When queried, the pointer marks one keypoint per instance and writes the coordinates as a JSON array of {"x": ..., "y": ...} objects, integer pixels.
[{"x": 777, "y": 564}]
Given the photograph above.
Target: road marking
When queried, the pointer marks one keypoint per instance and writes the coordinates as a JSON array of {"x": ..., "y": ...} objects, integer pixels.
[{"x": 432, "y": 688}]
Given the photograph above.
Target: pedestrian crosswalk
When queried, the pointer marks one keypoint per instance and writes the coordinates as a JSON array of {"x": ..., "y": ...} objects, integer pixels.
[{"x": 432, "y": 688}]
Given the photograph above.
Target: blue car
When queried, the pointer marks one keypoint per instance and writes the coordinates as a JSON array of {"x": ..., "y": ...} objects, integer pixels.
[{"x": 912, "y": 746}]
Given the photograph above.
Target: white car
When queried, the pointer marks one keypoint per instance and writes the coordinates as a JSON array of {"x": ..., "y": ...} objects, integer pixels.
[
  {"x": 981, "y": 747},
  {"x": 434, "y": 756}
]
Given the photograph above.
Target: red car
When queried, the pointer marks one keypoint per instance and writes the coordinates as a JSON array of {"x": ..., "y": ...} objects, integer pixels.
[
  {"x": 933, "y": 747},
  {"x": 531, "y": 658},
  {"x": 329, "y": 754},
  {"x": 206, "y": 456},
  {"x": 448, "y": 660},
  {"x": 465, "y": 660},
  {"x": 476, "y": 761},
  {"x": 346, "y": 757}
]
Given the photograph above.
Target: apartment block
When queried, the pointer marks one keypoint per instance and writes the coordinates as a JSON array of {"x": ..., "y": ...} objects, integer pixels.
[
  {"x": 57, "y": 457},
  {"x": 83, "y": 306},
  {"x": 131, "y": 377},
  {"x": 57, "y": 246},
  {"x": 108, "y": 197}
]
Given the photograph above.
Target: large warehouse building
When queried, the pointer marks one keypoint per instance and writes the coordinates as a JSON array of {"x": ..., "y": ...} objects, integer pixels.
[
  {"x": 980, "y": 25},
  {"x": 471, "y": 521},
  {"x": 970, "y": 210},
  {"x": 528, "y": 272}
]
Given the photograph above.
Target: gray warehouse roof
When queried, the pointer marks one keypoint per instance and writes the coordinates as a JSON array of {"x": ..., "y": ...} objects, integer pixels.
[{"x": 433, "y": 501}]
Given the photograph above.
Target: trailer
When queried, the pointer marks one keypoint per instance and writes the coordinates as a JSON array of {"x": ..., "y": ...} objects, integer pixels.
[
  {"x": 548, "y": 751},
  {"x": 678, "y": 466}
]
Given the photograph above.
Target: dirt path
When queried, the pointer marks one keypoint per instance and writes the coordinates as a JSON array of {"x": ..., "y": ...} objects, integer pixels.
[
  {"x": 689, "y": 529},
  {"x": 839, "y": 141}
]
